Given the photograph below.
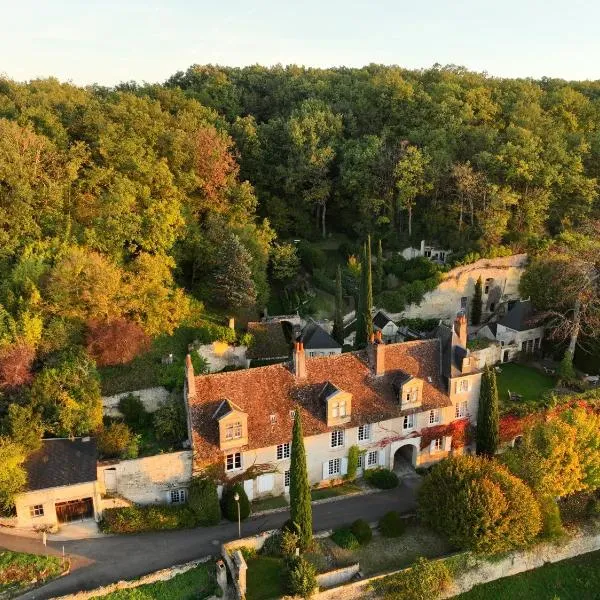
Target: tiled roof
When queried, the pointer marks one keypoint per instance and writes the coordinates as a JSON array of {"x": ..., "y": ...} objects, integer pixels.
[
  {"x": 519, "y": 317},
  {"x": 61, "y": 462},
  {"x": 268, "y": 341},
  {"x": 380, "y": 320},
  {"x": 315, "y": 337},
  {"x": 273, "y": 390}
]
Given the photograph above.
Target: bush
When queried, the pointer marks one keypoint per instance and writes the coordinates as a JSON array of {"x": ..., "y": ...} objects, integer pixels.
[
  {"x": 392, "y": 301},
  {"x": 362, "y": 531},
  {"x": 324, "y": 281},
  {"x": 170, "y": 422},
  {"x": 230, "y": 507},
  {"x": 115, "y": 342},
  {"x": 134, "y": 412},
  {"x": 482, "y": 508},
  {"x": 311, "y": 258},
  {"x": 381, "y": 478},
  {"x": 273, "y": 545},
  {"x": 301, "y": 578},
  {"x": 137, "y": 519},
  {"x": 425, "y": 580},
  {"x": 344, "y": 538},
  {"x": 290, "y": 540},
  {"x": 392, "y": 524},
  {"x": 117, "y": 441},
  {"x": 575, "y": 507},
  {"x": 552, "y": 527},
  {"x": 204, "y": 501}
]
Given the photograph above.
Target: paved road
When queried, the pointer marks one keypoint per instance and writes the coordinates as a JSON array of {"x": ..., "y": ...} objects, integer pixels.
[{"x": 105, "y": 560}]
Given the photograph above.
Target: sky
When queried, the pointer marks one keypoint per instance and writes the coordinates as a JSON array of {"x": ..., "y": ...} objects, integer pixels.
[{"x": 108, "y": 42}]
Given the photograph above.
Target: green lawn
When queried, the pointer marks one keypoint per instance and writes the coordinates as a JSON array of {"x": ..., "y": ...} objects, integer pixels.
[
  {"x": 264, "y": 578},
  {"x": 574, "y": 579},
  {"x": 530, "y": 383},
  {"x": 194, "y": 584},
  {"x": 269, "y": 503},
  {"x": 332, "y": 492},
  {"x": 19, "y": 570}
]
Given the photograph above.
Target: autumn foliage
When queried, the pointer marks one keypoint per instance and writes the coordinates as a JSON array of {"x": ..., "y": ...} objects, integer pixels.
[
  {"x": 460, "y": 430},
  {"x": 115, "y": 342},
  {"x": 15, "y": 365}
]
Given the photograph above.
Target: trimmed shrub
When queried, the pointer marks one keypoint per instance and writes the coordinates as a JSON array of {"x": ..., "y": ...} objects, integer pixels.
[
  {"x": 344, "y": 538},
  {"x": 392, "y": 524},
  {"x": 552, "y": 527},
  {"x": 362, "y": 532},
  {"x": 134, "y": 412},
  {"x": 204, "y": 501},
  {"x": 117, "y": 441},
  {"x": 273, "y": 545},
  {"x": 137, "y": 519},
  {"x": 301, "y": 578},
  {"x": 425, "y": 580},
  {"x": 230, "y": 507},
  {"x": 381, "y": 478},
  {"x": 289, "y": 542}
]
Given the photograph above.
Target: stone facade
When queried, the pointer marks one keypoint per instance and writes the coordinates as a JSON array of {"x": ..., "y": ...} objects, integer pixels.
[
  {"x": 500, "y": 278},
  {"x": 150, "y": 397},
  {"x": 147, "y": 480}
]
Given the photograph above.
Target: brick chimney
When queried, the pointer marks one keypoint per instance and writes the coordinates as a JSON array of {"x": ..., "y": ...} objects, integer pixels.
[
  {"x": 376, "y": 354},
  {"x": 460, "y": 326},
  {"x": 190, "y": 379},
  {"x": 299, "y": 361}
]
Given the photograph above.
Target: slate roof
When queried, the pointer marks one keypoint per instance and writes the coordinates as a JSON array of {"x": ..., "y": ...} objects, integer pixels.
[
  {"x": 274, "y": 390},
  {"x": 268, "y": 341},
  {"x": 380, "y": 320},
  {"x": 314, "y": 337},
  {"x": 61, "y": 462},
  {"x": 519, "y": 317}
]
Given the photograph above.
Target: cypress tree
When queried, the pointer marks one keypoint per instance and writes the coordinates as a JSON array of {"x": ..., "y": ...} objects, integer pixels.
[
  {"x": 378, "y": 282},
  {"x": 368, "y": 305},
  {"x": 300, "y": 508},
  {"x": 338, "y": 319},
  {"x": 488, "y": 428},
  {"x": 477, "y": 303},
  {"x": 360, "y": 341}
]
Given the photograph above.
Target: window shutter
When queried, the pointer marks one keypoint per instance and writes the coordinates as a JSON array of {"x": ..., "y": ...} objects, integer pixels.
[
  {"x": 432, "y": 447},
  {"x": 456, "y": 388},
  {"x": 326, "y": 470},
  {"x": 382, "y": 458},
  {"x": 344, "y": 466},
  {"x": 468, "y": 385},
  {"x": 169, "y": 497},
  {"x": 448, "y": 443}
]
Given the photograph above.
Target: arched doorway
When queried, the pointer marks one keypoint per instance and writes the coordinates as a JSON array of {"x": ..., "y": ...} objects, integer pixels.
[{"x": 404, "y": 458}]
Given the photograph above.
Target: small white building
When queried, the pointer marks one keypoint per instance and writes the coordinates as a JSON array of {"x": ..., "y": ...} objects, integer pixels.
[
  {"x": 317, "y": 342},
  {"x": 430, "y": 252},
  {"x": 389, "y": 330}
]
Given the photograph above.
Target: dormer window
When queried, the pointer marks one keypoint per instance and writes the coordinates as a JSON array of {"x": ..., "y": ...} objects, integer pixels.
[
  {"x": 337, "y": 404},
  {"x": 409, "y": 390},
  {"x": 338, "y": 409},
  {"x": 232, "y": 422},
  {"x": 233, "y": 431}
]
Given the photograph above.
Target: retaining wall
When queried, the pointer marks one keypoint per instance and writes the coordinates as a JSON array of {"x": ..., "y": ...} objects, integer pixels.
[{"x": 150, "y": 397}]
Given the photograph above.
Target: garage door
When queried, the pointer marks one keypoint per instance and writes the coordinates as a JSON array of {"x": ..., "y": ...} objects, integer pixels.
[{"x": 74, "y": 510}]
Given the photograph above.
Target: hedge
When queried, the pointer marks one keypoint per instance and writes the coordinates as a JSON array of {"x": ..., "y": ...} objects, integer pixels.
[
  {"x": 362, "y": 531},
  {"x": 204, "y": 501},
  {"x": 381, "y": 478},
  {"x": 344, "y": 538},
  {"x": 154, "y": 517},
  {"x": 392, "y": 524}
]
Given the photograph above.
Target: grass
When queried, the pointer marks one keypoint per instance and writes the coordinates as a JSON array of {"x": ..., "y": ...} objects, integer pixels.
[
  {"x": 332, "y": 492},
  {"x": 264, "y": 578},
  {"x": 195, "y": 584},
  {"x": 574, "y": 579},
  {"x": 522, "y": 380},
  {"x": 381, "y": 554},
  {"x": 19, "y": 570},
  {"x": 269, "y": 503}
]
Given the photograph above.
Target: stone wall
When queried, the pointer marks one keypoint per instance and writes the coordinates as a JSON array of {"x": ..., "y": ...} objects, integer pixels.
[
  {"x": 445, "y": 301},
  {"x": 338, "y": 576},
  {"x": 150, "y": 397},
  {"x": 146, "y": 480}
]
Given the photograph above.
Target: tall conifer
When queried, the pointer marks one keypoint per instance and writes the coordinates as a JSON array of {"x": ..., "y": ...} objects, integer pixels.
[
  {"x": 378, "y": 281},
  {"x": 300, "y": 508},
  {"x": 488, "y": 419},
  {"x": 368, "y": 282},
  {"x": 338, "y": 319},
  {"x": 477, "y": 303},
  {"x": 360, "y": 340}
]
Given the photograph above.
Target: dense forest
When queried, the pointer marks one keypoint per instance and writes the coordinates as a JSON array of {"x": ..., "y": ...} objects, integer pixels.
[{"x": 125, "y": 212}]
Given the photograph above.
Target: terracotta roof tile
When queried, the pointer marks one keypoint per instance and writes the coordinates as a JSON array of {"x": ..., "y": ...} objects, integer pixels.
[{"x": 273, "y": 390}]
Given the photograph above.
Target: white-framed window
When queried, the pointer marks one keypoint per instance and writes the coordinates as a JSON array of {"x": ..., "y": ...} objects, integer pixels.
[
  {"x": 335, "y": 466},
  {"x": 411, "y": 396},
  {"x": 37, "y": 510},
  {"x": 337, "y": 438},
  {"x": 438, "y": 444},
  {"x": 286, "y": 478},
  {"x": 364, "y": 433},
  {"x": 292, "y": 413},
  {"x": 462, "y": 386},
  {"x": 177, "y": 496},
  {"x": 461, "y": 409},
  {"x": 233, "y": 461},
  {"x": 273, "y": 419},
  {"x": 233, "y": 431},
  {"x": 361, "y": 461},
  {"x": 283, "y": 451},
  {"x": 342, "y": 408},
  {"x": 434, "y": 416},
  {"x": 372, "y": 458},
  {"x": 409, "y": 421}
]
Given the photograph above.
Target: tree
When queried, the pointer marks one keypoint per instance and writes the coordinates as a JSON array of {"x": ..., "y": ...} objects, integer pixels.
[
  {"x": 66, "y": 392},
  {"x": 234, "y": 287},
  {"x": 15, "y": 365},
  {"x": 203, "y": 499},
  {"x": 302, "y": 577},
  {"x": 170, "y": 423},
  {"x": 338, "y": 319},
  {"x": 24, "y": 426},
  {"x": 477, "y": 303},
  {"x": 300, "y": 507},
  {"x": 230, "y": 506},
  {"x": 115, "y": 342},
  {"x": 379, "y": 274},
  {"x": 364, "y": 313},
  {"x": 117, "y": 441},
  {"x": 12, "y": 473},
  {"x": 483, "y": 508},
  {"x": 284, "y": 262},
  {"x": 548, "y": 459},
  {"x": 488, "y": 429}
]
